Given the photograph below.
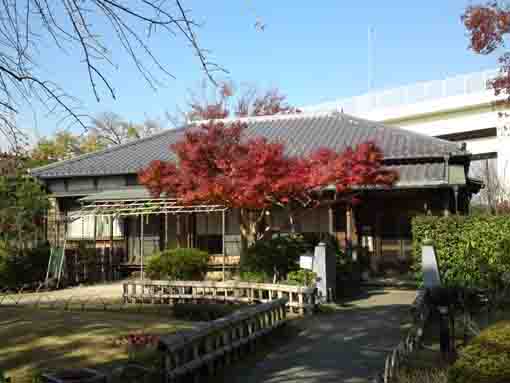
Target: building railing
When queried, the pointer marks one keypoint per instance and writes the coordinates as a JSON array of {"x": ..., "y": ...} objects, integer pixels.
[
  {"x": 410, "y": 94},
  {"x": 192, "y": 355},
  {"x": 299, "y": 299}
]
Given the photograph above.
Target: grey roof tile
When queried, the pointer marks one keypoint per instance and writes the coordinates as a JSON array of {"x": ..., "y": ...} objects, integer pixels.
[{"x": 301, "y": 133}]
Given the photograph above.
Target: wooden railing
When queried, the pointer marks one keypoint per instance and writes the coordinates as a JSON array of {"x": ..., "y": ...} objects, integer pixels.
[
  {"x": 193, "y": 355},
  {"x": 299, "y": 299}
]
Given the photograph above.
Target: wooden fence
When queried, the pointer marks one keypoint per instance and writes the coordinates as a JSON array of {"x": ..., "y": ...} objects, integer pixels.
[
  {"x": 194, "y": 355},
  {"x": 299, "y": 299}
]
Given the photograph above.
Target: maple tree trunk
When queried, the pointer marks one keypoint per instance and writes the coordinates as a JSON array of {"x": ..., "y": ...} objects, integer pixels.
[{"x": 248, "y": 228}]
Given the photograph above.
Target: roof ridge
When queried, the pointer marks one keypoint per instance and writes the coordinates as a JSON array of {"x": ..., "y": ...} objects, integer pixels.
[
  {"x": 405, "y": 131},
  {"x": 282, "y": 116},
  {"x": 105, "y": 150}
]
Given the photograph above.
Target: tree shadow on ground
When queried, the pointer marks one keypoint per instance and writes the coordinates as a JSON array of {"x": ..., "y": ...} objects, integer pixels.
[{"x": 35, "y": 339}]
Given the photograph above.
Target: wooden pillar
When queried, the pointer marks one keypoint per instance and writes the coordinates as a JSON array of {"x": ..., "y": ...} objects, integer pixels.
[
  {"x": 178, "y": 229},
  {"x": 110, "y": 259},
  {"x": 331, "y": 221},
  {"x": 95, "y": 231},
  {"x": 352, "y": 239},
  {"x": 141, "y": 246},
  {"x": 126, "y": 235}
]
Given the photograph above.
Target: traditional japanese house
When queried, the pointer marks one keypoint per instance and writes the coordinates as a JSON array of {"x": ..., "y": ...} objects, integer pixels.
[{"x": 101, "y": 191}]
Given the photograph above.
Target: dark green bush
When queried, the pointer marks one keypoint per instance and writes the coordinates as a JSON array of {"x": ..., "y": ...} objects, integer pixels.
[
  {"x": 178, "y": 264},
  {"x": 22, "y": 267},
  {"x": 471, "y": 250},
  {"x": 276, "y": 256},
  {"x": 486, "y": 359}
]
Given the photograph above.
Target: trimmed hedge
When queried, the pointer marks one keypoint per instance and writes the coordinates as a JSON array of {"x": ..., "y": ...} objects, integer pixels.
[
  {"x": 486, "y": 359},
  {"x": 472, "y": 251},
  {"x": 278, "y": 255},
  {"x": 178, "y": 264}
]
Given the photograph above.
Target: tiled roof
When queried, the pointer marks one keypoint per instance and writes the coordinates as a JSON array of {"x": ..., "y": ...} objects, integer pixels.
[{"x": 301, "y": 133}]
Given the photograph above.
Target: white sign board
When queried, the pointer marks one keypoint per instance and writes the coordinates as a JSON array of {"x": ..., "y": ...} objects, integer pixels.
[
  {"x": 429, "y": 266},
  {"x": 306, "y": 262}
]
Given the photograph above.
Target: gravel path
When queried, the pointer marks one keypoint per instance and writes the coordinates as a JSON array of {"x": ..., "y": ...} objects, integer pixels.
[
  {"x": 349, "y": 345},
  {"x": 108, "y": 291}
]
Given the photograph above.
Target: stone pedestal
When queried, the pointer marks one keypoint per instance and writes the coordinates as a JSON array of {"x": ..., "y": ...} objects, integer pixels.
[{"x": 324, "y": 265}]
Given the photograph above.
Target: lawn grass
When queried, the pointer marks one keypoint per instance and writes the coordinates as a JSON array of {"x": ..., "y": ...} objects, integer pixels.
[{"x": 35, "y": 339}]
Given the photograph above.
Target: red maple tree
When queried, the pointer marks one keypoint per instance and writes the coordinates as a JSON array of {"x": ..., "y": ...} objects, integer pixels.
[
  {"x": 217, "y": 164},
  {"x": 488, "y": 25}
]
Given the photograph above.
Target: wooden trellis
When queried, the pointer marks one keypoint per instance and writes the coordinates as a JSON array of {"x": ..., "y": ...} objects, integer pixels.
[{"x": 144, "y": 207}]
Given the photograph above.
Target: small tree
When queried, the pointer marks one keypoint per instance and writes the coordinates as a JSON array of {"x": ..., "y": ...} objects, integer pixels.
[
  {"x": 217, "y": 165},
  {"x": 23, "y": 203}
]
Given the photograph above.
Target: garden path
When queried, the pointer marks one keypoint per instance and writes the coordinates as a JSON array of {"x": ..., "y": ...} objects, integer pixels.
[{"x": 349, "y": 344}]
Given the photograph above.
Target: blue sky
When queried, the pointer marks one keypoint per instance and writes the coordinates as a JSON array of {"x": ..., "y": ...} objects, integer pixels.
[{"x": 313, "y": 51}]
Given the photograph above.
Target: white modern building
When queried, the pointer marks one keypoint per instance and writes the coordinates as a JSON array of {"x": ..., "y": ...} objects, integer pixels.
[{"x": 459, "y": 108}]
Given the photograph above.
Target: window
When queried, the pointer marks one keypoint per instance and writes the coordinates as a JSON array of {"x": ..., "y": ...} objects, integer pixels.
[{"x": 83, "y": 228}]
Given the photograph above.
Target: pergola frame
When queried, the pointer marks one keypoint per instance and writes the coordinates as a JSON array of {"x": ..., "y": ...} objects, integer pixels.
[
  {"x": 129, "y": 207},
  {"x": 144, "y": 207}
]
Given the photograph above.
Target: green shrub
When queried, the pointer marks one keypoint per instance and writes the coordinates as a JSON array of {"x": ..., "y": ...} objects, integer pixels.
[
  {"x": 471, "y": 250},
  {"x": 178, "y": 264},
  {"x": 432, "y": 375},
  {"x": 254, "y": 277},
  {"x": 302, "y": 278},
  {"x": 22, "y": 267},
  {"x": 276, "y": 256},
  {"x": 486, "y": 359}
]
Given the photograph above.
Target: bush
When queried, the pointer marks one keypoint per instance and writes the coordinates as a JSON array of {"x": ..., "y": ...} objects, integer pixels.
[
  {"x": 178, "y": 264},
  {"x": 471, "y": 250},
  {"x": 254, "y": 277},
  {"x": 276, "y": 256},
  {"x": 433, "y": 375},
  {"x": 486, "y": 359},
  {"x": 302, "y": 278},
  {"x": 22, "y": 267}
]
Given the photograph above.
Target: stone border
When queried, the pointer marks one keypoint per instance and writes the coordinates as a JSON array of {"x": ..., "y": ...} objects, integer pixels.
[
  {"x": 300, "y": 299},
  {"x": 189, "y": 356}
]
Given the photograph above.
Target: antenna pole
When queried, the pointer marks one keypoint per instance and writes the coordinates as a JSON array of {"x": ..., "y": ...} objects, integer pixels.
[{"x": 371, "y": 62}]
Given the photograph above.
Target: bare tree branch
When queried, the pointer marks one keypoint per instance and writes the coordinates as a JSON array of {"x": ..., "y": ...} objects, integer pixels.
[{"x": 76, "y": 28}]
